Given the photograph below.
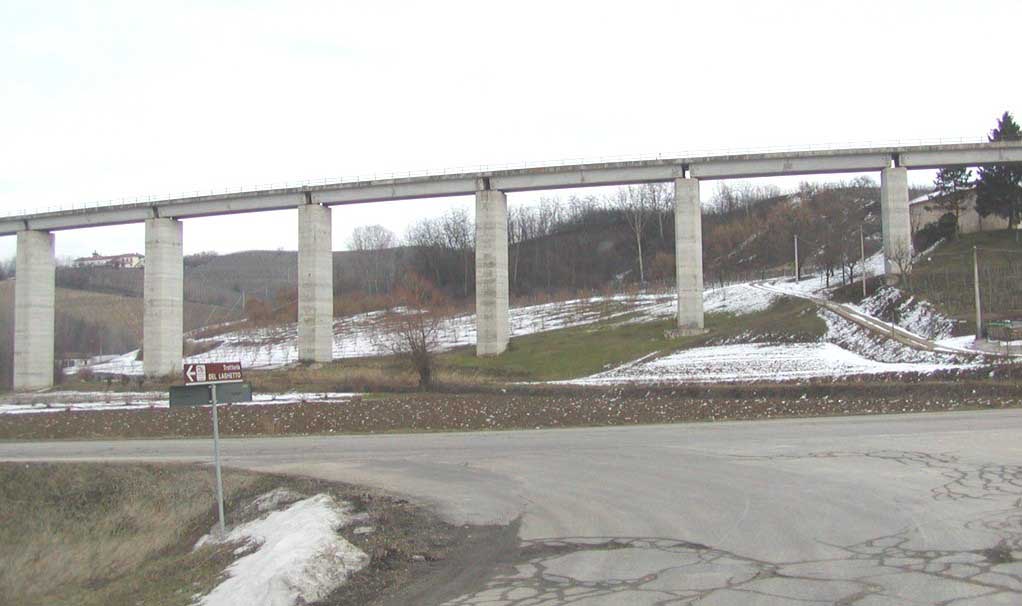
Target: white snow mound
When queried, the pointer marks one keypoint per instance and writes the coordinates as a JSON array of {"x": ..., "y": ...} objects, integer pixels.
[
  {"x": 298, "y": 557},
  {"x": 747, "y": 362}
]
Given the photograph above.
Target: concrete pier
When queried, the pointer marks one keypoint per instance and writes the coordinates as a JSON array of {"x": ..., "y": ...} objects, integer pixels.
[
  {"x": 688, "y": 255},
  {"x": 163, "y": 314},
  {"x": 34, "y": 290},
  {"x": 492, "y": 322},
  {"x": 315, "y": 284},
  {"x": 894, "y": 215}
]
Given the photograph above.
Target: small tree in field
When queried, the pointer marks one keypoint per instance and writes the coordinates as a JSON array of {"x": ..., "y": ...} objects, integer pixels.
[
  {"x": 412, "y": 327},
  {"x": 901, "y": 259}
]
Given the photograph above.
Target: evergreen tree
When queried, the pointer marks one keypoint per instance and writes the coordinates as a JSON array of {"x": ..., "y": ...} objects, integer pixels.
[
  {"x": 999, "y": 188},
  {"x": 952, "y": 185}
]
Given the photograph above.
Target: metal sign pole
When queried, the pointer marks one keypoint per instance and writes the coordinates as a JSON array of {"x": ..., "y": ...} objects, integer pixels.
[
  {"x": 975, "y": 282},
  {"x": 216, "y": 462}
]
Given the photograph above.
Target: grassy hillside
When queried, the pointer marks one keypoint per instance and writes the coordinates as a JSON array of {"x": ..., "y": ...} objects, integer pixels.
[
  {"x": 93, "y": 322},
  {"x": 112, "y": 311},
  {"x": 584, "y": 350},
  {"x": 220, "y": 279},
  {"x": 945, "y": 275}
]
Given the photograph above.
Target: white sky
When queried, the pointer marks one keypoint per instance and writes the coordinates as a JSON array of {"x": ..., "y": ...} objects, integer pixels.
[{"x": 105, "y": 100}]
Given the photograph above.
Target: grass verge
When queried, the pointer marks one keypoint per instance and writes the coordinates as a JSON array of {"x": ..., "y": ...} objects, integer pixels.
[
  {"x": 96, "y": 534},
  {"x": 89, "y": 534}
]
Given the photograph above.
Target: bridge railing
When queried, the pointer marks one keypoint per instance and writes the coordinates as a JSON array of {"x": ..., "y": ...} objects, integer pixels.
[{"x": 478, "y": 168}]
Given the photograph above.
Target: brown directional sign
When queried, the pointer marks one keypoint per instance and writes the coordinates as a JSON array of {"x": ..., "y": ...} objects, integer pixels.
[{"x": 213, "y": 372}]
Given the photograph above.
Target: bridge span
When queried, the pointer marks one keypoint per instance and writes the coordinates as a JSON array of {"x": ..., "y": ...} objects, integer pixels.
[{"x": 164, "y": 269}]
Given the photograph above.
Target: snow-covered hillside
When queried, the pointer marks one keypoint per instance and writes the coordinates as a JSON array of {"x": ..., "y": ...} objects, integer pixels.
[
  {"x": 273, "y": 347},
  {"x": 847, "y": 348}
]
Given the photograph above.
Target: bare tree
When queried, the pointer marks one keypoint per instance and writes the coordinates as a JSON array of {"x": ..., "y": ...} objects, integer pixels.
[
  {"x": 412, "y": 327},
  {"x": 519, "y": 229},
  {"x": 633, "y": 203},
  {"x": 661, "y": 202},
  {"x": 459, "y": 236},
  {"x": 371, "y": 237},
  {"x": 377, "y": 269},
  {"x": 901, "y": 259}
]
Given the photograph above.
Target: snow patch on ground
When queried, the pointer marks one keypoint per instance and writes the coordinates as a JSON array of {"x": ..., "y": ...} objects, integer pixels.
[
  {"x": 859, "y": 340},
  {"x": 910, "y": 313},
  {"x": 294, "y": 556},
  {"x": 747, "y": 362},
  {"x": 59, "y": 401},
  {"x": 737, "y": 299}
]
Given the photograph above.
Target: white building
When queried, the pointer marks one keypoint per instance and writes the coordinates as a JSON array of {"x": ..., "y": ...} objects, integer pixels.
[
  {"x": 127, "y": 260},
  {"x": 927, "y": 209}
]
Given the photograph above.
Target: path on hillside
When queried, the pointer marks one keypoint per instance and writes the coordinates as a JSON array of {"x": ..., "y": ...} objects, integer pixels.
[
  {"x": 889, "y": 509},
  {"x": 875, "y": 325}
]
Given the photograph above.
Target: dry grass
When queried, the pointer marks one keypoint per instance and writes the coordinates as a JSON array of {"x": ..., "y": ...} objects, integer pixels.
[
  {"x": 72, "y": 532},
  {"x": 363, "y": 375},
  {"x": 93, "y": 534}
]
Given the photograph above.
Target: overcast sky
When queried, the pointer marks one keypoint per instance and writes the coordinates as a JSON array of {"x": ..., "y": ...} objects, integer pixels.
[{"x": 105, "y": 100}]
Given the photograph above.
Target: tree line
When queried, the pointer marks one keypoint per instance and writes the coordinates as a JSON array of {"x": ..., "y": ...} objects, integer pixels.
[{"x": 627, "y": 237}]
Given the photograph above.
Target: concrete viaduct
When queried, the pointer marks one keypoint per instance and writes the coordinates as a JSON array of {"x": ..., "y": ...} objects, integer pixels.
[{"x": 164, "y": 270}]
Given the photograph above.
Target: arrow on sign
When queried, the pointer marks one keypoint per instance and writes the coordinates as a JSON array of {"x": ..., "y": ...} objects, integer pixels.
[{"x": 190, "y": 373}]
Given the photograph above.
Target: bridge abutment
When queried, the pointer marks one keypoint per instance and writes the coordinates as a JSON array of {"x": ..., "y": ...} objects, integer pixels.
[
  {"x": 34, "y": 292},
  {"x": 492, "y": 321},
  {"x": 895, "y": 221},
  {"x": 688, "y": 255},
  {"x": 163, "y": 313},
  {"x": 315, "y": 284}
]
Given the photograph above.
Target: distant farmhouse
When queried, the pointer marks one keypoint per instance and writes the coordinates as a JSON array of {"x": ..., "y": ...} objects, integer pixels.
[
  {"x": 128, "y": 260},
  {"x": 927, "y": 209}
]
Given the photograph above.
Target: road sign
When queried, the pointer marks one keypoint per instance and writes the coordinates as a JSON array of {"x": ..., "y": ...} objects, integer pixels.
[
  {"x": 213, "y": 384},
  {"x": 213, "y": 372},
  {"x": 199, "y": 395}
]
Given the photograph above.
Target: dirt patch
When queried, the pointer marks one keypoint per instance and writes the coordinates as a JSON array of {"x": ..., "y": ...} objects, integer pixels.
[
  {"x": 524, "y": 409},
  {"x": 416, "y": 558}
]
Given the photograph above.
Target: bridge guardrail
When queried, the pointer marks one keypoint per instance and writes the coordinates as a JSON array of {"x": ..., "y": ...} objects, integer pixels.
[{"x": 692, "y": 153}]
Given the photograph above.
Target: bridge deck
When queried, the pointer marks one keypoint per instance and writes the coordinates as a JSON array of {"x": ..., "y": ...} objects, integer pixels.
[{"x": 527, "y": 179}]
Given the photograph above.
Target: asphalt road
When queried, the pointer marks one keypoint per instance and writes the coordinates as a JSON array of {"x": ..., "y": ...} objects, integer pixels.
[{"x": 907, "y": 509}]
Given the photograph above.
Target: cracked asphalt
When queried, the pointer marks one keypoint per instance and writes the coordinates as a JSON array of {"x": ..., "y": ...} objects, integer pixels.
[{"x": 894, "y": 509}]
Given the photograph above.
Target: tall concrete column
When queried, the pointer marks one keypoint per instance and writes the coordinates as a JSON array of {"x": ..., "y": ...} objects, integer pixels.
[
  {"x": 894, "y": 216},
  {"x": 163, "y": 303},
  {"x": 688, "y": 254},
  {"x": 315, "y": 284},
  {"x": 492, "y": 322},
  {"x": 34, "y": 290}
]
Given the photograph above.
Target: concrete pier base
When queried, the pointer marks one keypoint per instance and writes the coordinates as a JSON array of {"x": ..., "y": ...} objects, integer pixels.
[
  {"x": 688, "y": 255},
  {"x": 163, "y": 314},
  {"x": 894, "y": 215},
  {"x": 492, "y": 321},
  {"x": 315, "y": 284},
  {"x": 34, "y": 290}
]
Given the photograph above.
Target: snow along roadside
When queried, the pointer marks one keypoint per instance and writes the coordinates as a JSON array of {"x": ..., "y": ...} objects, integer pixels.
[{"x": 292, "y": 556}]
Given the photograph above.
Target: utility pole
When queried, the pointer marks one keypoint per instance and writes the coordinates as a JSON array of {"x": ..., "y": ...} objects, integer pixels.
[
  {"x": 862, "y": 248},
  {"x": 798, "y": 274},
  {"x": 975, "y": 280}
]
